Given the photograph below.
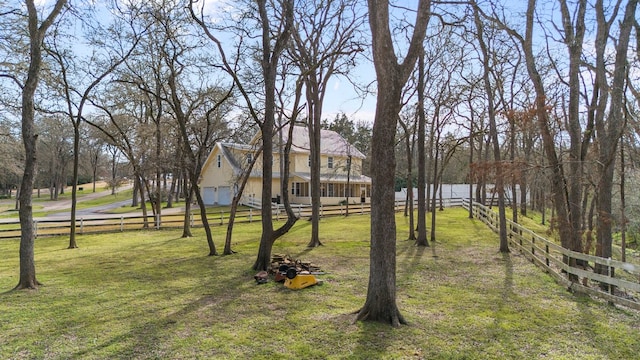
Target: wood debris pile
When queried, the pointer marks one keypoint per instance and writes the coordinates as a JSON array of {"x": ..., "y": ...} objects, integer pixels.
[{"x": 279, "y": 259}]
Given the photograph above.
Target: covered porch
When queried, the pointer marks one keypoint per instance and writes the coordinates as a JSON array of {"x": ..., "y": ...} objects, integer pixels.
[{"x": 334, "y": 189}]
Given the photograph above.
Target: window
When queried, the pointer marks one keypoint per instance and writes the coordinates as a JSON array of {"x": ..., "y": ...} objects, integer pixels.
[
  {"x": 249, "y": 158},
  {"x": 330, "y": 190},
  {"x": 309, "y": 161},
  {"x": 330, "y": 162},
  {"x": 300, "y": 189},
  {"x": 219, "y": 160}
]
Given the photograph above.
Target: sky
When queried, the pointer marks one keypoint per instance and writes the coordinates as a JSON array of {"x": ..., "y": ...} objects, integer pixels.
[{"x": 341, "y": 96}]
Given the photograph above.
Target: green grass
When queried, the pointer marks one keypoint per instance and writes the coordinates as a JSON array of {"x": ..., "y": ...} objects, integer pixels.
[
  {"x": 39, "y": 204},
  {"x": 154, "y": 295}
]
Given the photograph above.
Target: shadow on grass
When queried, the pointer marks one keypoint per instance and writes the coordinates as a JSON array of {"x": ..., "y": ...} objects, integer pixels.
[
  {"x": 152, "y": 336},
  {"x": 373, "y": 340},
  {"x": 506, "y": 297}
]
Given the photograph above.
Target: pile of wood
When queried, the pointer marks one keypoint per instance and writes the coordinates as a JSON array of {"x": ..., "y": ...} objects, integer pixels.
[{"x": 280, "y": 259}]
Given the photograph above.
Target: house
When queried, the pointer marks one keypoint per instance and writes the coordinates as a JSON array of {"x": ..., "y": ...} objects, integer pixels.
[{"x": 222, "y": 171}]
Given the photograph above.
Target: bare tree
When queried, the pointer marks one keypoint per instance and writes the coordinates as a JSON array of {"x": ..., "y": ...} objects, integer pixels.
[
  {"x": 391, "y": 75},
  {"x": 324, "y": 45},
  {"x": 609, "y": 130},
  {"x": 493, "y": 132},
  {"x": 76, "y": 94},
  {"x": 275, "y": 25},
  {"x": 37, "y": 32}
]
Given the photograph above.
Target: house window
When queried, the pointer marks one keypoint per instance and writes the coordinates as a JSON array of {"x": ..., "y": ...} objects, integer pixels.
[
  {"x": 330, "y": 162},
  {"x": 309, "y": 161},
  {"x": 219, "y": 161},
  {"x": 249, "y": 158},
  {"x": 300, "y": 189},
  {"x": 330, "y": 190}
]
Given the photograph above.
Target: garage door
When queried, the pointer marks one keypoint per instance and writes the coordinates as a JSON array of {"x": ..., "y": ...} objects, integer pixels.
[
  {"x": 208, "y": 195},
  {"x": 224, "y": 195}
]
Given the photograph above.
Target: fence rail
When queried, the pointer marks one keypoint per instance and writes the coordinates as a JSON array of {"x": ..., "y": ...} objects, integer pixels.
[
  {"x": 619, "y": 283},
  {"x": 93, "y": 224},
  {"x": 104, "y": 224}
]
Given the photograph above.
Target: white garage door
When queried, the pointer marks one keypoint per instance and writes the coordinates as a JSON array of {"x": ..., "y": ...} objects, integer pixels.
[
  {"x": 224, "y": 195},
  {"x": 208, "y": 195}
]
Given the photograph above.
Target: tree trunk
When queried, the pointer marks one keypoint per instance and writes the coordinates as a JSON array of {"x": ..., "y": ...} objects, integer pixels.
[
  {"x": 493, "y": 133},
  {"x": 158, "y": 196},
  {"x": 203, "y": 214},
  {"x": 186, "y": 225},
  {"x": 623, "y": 215},
  {"x": 559, "y": 188},
  {"x": 314, "y": 142},
  {"x": 74, "y": 185},
  {"x": 422, "y": 213},
  {"x": 236, "y": 200},
  {"x": 408, "y": 209},
  {"x": 170, "y": 193},
  {"x": 29, "y": 138},
  {"x": 269, "y": 62},
  {"x": 380, "y": 304},
  {"x": 434, "y": 196},
  {"x": 514, "y": 178},
  {"x": 610, "y": 134},
  {"x": 143, "y": 204}
]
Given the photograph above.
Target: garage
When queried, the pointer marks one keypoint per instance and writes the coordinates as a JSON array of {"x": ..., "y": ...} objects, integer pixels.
[
  {"x": 209, "y": 195},
  {"x": 224, "y": 195}
]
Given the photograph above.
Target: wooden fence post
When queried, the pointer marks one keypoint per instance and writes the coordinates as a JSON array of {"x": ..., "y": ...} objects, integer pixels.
[{"x": 547, "y": 255}]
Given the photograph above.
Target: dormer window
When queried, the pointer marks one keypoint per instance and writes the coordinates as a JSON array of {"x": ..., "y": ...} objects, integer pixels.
[{"x": 330, "y": 162}]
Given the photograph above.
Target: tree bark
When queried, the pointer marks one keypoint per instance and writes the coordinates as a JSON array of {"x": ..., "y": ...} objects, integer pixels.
[
  {"x": 236, "y": 200},
  {"x": 493, "y": 133},
  {"x": 269, "y": 62},
  {"x": 422, "y": 183},
  {"x": 611, "y": 132},
  {"x": 29, "y": 137},
  {"x": 380, "y": 304}
]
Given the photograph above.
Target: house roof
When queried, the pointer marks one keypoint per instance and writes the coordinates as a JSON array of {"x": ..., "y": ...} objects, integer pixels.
[
  {"x": 234, "y": 158},
  {"x": 331, "y": 143},
  {"x": 227, "y": 149}
]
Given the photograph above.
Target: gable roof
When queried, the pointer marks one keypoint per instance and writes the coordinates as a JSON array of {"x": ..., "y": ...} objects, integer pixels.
[
  {"x": 232, "y": 152},
  {"x": 331, "y": 143}
]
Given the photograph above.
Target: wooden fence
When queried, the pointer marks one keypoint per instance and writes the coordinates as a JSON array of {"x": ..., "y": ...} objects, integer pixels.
[
  {"x": 113, "y": 223},
  {"x": 620, "y": 283},
  {"x": 110, "y": 223}
]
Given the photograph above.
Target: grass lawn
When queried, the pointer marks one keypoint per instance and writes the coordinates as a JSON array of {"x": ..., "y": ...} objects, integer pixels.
[{"x": 154, "y": 295}]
